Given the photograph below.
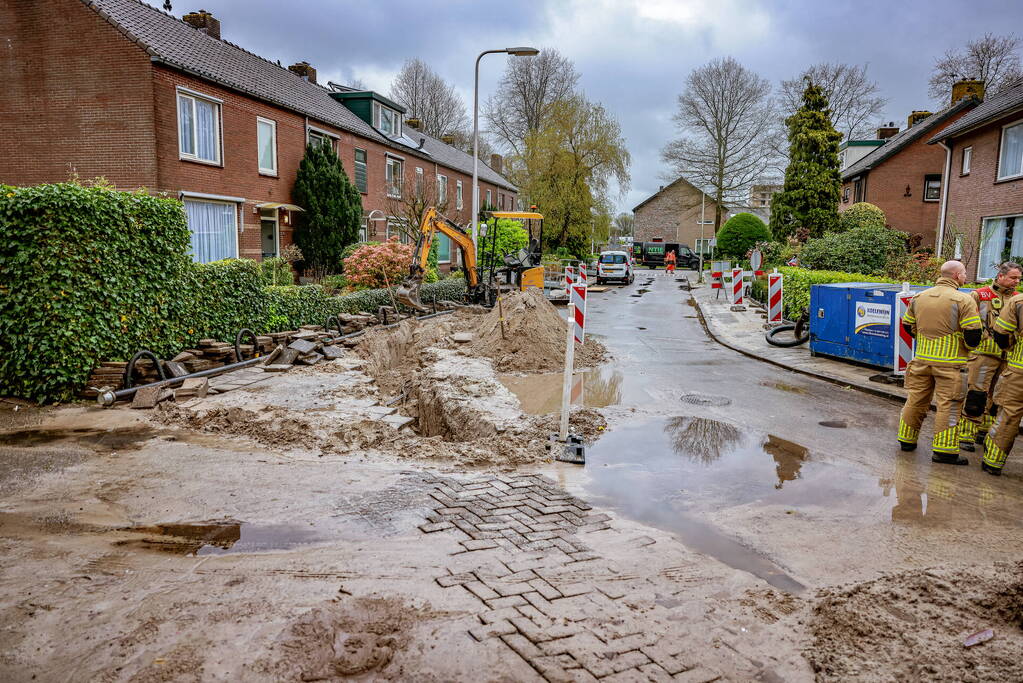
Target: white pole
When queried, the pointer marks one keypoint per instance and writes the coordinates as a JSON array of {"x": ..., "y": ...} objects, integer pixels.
[
  {"x": 566, "y": 385},
  {"x": 703, "y": 240},
  {"x": 476, "y": 152}
]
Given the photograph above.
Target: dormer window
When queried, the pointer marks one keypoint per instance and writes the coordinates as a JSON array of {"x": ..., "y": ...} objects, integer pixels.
[{"x": 387, "y": 120}]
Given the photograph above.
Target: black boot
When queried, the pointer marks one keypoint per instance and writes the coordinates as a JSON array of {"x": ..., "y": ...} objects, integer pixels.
[
  {"x": 967, "y": 446},
  {"x": 996, "y": 471},
  {"x": 948, "y": 459},
  {"x": 907, "y": 446}
]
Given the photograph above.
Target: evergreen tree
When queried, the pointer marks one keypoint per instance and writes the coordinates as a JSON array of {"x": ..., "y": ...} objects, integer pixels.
[
  {"x": 808, "y": 204},
  {"x": 333, "y": 209}
]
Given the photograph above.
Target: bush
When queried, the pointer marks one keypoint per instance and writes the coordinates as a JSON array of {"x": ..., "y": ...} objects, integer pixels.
[
  {"x": 379, "y": 265},
  {"x": 740, "y": 233},
  {"x": 352, "y": 248},
  {"x": 866, "y": 249},
  {"x": 918, "y": 267},
  {"x": 506, "y": 237},
  {"x": 861, "y": 215},
  {"x": 333, "y": 209},
  {"x": 276, "y": 271}
]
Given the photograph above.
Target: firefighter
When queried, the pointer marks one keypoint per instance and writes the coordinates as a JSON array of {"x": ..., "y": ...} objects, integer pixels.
[
  {"x": 1009, "y": 392},
  {"x": 987, "y": 360},
  {"x": 946, "y": 324}
]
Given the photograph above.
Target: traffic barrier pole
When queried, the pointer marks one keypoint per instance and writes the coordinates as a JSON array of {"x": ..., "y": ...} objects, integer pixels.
[
  {"x": 905, "y": 345},
  {"x": 569, "y": 277},
  {"x": 566, "y": 385},
  {"x": 579, "y": 317},
  {"x": 774, "y": 296},
  {"x": 737, "y": 286}
]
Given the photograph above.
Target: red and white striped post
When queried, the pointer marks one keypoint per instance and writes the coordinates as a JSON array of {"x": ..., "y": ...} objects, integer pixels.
[
  {"x": 736, "y": 286},
  {"x": 904, "y": 343},
  {"x": 569, "y": 277},
  {"x": 579, "y": 310},
  {"x": 774, "y": 297}
]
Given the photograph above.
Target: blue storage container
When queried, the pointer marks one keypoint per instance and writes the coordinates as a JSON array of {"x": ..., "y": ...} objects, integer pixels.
[{"x": 855, "y": 321}]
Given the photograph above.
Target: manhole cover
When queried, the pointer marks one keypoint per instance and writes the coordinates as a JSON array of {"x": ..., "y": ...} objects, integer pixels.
[
  {"x": 705, "y": 399},
  {"x": 835, "y": 424}
]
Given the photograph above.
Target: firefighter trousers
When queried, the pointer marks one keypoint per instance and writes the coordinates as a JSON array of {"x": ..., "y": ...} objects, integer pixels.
[
  {"x": 979, "y": 407},
  {"x": 1009, "y": 399},
  {"x": 945, "y": 384}
]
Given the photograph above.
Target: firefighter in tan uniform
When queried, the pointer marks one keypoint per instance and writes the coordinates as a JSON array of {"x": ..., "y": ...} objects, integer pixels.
[
  {"x": 1009, "y": 392},
  {"x": 987, "y": 360},
  {"x": 946, "y": 324}
]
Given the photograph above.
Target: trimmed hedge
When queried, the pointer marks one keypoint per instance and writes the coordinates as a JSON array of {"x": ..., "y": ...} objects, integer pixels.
[
  {"x": 93, "y": 274},
  {"x": 797, "y": 283}
]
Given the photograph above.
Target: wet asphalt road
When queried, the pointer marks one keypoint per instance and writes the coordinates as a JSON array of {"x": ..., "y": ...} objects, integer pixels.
[{"x": 730, "y": 454}]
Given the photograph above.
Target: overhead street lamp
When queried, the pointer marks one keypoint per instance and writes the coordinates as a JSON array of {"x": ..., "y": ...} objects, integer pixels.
[{"x": 518, "y": 52}]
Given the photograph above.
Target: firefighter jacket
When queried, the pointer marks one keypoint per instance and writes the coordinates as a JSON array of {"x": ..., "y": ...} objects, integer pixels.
[
  {"x": 1008, "y": 322},
  {"x": 938, "y": 316},
  {"x": 990, "y": 301}
]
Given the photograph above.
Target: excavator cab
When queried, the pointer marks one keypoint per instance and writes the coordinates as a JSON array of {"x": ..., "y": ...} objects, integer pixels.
[{"x": 523, "y": 268}]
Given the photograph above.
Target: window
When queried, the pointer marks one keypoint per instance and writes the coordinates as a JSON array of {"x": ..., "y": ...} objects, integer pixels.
[
  {"x": 612, "y": 258},
  {"x": 443, "y": 249},
  {"x": 214, "y": 229},
  {"x": 198, "y": 128},
  {"x": 932, "y": 187},
  {"x": 360, "y": 170},
  {"x": 1010, "y": 160},
  {"x": 458, "y": 195},
  {"x": 967, "y": 158},
  {"x": 387, "y": 120},
  {"x": 845, "y": 194},
  {"x": 859, "y": 189},
  {"x": 266, "y": 145},
  {"x": 442, "y": 189},
  {"x": 394, "y": 178},
  {"x": 1002, "y": 239},
  {"x": 704, "y": 245},
  {"x": 364, "y": 229},
  {"x": 318, "y": 137},
  {"x": 500, "y": 201},
  {"x": 419, "y": 182},
  {"x": 489, "y": 199}
]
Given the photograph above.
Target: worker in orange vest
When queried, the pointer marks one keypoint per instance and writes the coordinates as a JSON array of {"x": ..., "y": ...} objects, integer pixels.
[{"x": 669, "y": 262}]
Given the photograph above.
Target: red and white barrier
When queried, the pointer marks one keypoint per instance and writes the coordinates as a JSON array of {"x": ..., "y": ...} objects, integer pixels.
[
  {"x": 579, "y": 311},
  {"x": 569, "y": 277},
  {"x": 774, "y": 297},
  {"x": 904, "y": 343},
  {"x": 737, "y": 286}
]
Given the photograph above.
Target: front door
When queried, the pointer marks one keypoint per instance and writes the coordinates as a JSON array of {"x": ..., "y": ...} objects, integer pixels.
[{"x": 268, "y": 230}]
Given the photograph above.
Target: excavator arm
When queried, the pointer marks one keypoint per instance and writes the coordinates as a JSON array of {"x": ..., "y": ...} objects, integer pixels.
[{"x": 432, "y": 223}]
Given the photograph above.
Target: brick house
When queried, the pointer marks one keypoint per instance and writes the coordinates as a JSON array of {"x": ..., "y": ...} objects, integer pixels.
[
  {"x": 982, "y": 208},
  {"x": 119, "y": 89},
  {"x": 672, "y": 214},
  {"x": 903, "y": 176}
]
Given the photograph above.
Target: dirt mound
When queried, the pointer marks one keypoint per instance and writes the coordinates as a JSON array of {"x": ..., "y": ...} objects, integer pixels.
[
  {"x": 534, "y": 336},
  {"x": 911, "y": 625}
]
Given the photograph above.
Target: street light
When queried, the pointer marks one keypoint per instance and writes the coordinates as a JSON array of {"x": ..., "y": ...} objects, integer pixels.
[{"x": 517, "y": 52}]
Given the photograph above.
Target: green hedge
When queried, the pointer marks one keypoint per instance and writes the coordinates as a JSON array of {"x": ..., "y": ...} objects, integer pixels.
[
  {"x": 797, "y": 283},
  {"x": 92, "y": 274}
]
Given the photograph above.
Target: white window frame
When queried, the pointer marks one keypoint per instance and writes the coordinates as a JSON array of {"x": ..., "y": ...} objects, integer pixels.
[
  {"x": 929, "y": 177},
  {"x": 378, "y": 120},
  {"x": 442, "y": 188},
  {"x": 490, "y": 198},
  {"x": 981, "y": 266},
  {"x": 458, "y": 195},
  {"x": 420, "y": 182},
  {"x": 393, "y": 188},
  {"x": 236, "y": 202},
  {"x": 335, "y": 140},
  {"x": 364, "y": 229},
  {"x": 193, "y": 95},
  {"x": 1001, "y": 147},
  {"x": 273, "y": 143},
  {"x": 966, "y": 161}
]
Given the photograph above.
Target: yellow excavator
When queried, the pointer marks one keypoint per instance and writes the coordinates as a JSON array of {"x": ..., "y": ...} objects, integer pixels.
[{"x": 523, "y": 268}]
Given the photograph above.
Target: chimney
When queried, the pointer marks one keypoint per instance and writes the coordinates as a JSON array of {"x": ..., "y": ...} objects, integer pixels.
[
  {"x": 413, "y": 123},
  {"x": 304, "y": 70},
  {"x": 447, "y": 139},
  {"x": 496, "y": 162},
  {"x": 885, "y": 132},
  {"x": 967, "y": 87},
  {"x": 916, "y": 117},
  {"x": 204, "y": 21}
]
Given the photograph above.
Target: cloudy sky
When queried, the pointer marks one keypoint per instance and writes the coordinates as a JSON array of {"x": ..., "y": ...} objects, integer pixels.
[{"x": 633, "y": 55}]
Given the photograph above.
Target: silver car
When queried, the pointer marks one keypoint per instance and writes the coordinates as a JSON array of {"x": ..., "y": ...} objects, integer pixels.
[{"x": 615, "y": 265}]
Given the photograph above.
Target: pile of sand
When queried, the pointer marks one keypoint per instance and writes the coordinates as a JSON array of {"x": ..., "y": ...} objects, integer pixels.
[
  {"x": 533, "y": 339},
  {"x": 910, "y": 626}
]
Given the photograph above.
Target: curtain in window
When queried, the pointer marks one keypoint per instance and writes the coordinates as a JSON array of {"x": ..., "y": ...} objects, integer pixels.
[
  {"x": 206, "y": 127},
  {"x": 994, "y": 243},
  {"x": 186, "y": 126},
  {"x": 443, "y": 248},
  {"x": 214, "y": 235},
  {"x": 1012, "y": 152}
]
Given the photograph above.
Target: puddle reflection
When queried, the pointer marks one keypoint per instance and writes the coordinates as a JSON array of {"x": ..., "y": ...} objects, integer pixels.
[
  {"x": 701, "y": 438},
  {"x": 541, "y": 394},
  {"x": 220, "y": 537}
]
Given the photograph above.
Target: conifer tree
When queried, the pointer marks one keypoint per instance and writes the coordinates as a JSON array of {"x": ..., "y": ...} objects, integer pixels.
[
  {"x": 808, "y": 204},
  {"x": 333, "y": 209}
]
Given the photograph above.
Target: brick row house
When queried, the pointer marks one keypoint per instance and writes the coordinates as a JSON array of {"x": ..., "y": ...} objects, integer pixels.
[
  {"x": 900, "y": 172},
  {"x": 981, "y": 215},
  {"x": 673, "y": 214},
  {"x": 119, "y": 89}
]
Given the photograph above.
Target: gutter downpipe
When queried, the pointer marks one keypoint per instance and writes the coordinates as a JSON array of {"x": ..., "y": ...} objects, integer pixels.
[{"x": 944, "y": 199}]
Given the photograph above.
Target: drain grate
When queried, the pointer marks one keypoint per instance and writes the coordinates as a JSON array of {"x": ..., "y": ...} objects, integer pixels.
[{"x": 696, "y": 399}]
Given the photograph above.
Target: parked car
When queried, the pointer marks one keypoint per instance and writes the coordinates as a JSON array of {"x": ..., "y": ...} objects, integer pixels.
[{"x": 615, "y": 265}]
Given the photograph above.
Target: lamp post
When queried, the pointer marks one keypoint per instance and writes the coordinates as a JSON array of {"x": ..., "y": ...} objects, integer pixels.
[
  {"x": 703, "y": 222},
  {"x": 518, "y": 52}
]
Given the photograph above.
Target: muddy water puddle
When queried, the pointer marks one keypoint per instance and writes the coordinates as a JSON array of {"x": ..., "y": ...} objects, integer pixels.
[
  {"x": 117, "y": 439},
  {"x": 220, "y": 537},
  {"x": 680, "y": 473},
  {"x": 541, "y": 394}
]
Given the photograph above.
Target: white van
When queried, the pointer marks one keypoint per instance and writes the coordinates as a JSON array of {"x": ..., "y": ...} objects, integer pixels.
[{"x": 615, "y": 265}]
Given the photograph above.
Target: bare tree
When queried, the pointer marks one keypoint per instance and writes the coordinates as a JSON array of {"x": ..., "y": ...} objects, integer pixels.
[
  {"x": 726, "y": 116},
  {"x": 992, "y": 59},
  {"x": 854, "y": 99},
  {"x": 429, "y": 98},
  {"x": 525, "y": 94},
  {"x": 623, "y": 224},
  {"x": 407, "y": 204}
]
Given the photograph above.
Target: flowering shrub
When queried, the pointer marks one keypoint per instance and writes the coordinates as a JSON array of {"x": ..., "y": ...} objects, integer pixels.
[{"x": 377, "y": 265}]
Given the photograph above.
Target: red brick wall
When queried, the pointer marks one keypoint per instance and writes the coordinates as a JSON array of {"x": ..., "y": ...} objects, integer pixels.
[
  {"x": 77, "y": 97},
  {"x": 886, "y": 187},
  {"x": 974, "y": 197}
]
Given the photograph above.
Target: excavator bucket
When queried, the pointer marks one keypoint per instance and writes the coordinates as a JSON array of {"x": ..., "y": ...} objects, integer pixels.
[{"x": 408, "y": 293}]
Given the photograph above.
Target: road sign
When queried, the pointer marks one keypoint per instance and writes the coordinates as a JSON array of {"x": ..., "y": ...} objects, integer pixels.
[{"x": 756, "y": 259}]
